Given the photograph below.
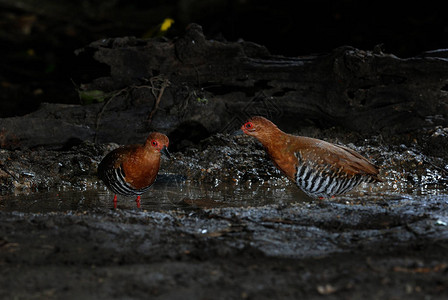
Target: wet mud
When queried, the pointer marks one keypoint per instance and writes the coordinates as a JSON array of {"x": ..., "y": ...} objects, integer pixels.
[{"x": 222, "y": 223}]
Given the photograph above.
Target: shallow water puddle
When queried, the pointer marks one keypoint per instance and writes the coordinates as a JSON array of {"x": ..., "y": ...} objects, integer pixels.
[
  {"x": 161, "y": 196},
  {"x": 180, "y": 194}
]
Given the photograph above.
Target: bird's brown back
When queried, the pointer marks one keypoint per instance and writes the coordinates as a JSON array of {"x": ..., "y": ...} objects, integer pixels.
[
  {"x": 337, "y": 157},
  {"x": 284, "y": 150},
  {"x": 139, "y": 167}
]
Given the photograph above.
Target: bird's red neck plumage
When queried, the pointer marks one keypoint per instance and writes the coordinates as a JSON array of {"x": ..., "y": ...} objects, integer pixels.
[{"x": 276, "y": 142}]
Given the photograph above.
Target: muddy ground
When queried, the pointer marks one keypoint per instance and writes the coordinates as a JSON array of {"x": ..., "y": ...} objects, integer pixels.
[
  {"x": 245, "y": 234},
  {"x": 220, "y": 222}
]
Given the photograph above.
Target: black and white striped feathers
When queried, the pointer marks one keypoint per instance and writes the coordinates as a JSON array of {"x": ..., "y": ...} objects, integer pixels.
[
  {"x": 323, "y": 181},
  {"x": 131, "y": 170},
  {"x": 114, "y": 178},
  {"x": 319, "y": 168}
]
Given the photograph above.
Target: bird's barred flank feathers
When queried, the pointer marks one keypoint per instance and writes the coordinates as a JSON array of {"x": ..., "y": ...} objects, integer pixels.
[
  {"x": 117, "y": 183},
  {"x": 319, "y": 182},
  {"x": 131, "y": 170},
  {"x": 319, "y": 168}
]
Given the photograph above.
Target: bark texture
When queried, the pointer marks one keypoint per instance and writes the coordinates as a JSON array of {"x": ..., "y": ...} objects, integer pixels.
[{"x": 191, "y": 87}]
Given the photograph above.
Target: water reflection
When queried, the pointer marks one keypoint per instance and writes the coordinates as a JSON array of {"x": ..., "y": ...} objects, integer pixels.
[{"x": 181, "y": 194}]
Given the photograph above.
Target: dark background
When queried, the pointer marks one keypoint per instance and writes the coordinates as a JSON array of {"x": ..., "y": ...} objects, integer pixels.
[{"x": 37, "y": 42}]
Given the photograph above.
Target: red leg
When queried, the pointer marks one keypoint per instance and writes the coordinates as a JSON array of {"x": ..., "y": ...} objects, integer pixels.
[
  {"x": 115, "y": 201},
  {"x": 138, "y": 201}
]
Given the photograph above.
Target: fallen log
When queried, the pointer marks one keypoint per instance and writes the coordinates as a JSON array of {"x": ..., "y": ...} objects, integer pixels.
[{"x": 191, "y": 87}]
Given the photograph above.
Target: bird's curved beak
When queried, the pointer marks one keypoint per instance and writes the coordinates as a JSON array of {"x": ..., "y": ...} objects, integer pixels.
[
  {"x": 238, "y": 132},
  {"x": 165, "y": 152}
]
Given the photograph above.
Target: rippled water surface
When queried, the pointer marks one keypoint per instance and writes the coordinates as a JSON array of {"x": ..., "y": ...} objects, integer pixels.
[{"x": 179, "y": 194}]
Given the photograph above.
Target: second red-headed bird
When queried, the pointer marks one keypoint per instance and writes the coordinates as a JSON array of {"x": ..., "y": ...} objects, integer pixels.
[
  {"x": 319, "y": 168},
  {"x": 131, "y": 170}
]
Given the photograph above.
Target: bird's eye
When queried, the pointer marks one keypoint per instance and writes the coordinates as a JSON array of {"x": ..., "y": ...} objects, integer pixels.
[
  {"x": 249, "y": 125},
  {"x": 154, "y": 143}
]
